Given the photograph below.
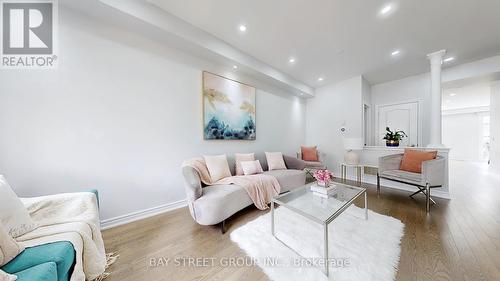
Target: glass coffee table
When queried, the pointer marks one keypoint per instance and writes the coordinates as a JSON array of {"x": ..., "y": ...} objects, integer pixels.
[{"x": 303, "y": 202}]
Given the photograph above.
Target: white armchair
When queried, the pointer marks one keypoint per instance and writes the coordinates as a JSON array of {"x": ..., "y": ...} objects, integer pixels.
[
  {"x": 314, "y": 165},
  {"x": 432, "y": 176}
]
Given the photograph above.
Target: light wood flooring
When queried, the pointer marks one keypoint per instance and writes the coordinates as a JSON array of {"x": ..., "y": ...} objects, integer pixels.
[{"x": 459, "y": 240}]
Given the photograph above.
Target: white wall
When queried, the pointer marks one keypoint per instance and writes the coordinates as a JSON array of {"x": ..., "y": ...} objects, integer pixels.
[
  {"x": 335, "y": 106},
  {"x": 495, "y": 125},
  {"x": 413, "y": 88},
  {"x": 120, "y": 114}
]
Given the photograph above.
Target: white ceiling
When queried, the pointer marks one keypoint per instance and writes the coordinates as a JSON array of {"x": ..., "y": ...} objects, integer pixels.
[{"x": 339, "y": 39}]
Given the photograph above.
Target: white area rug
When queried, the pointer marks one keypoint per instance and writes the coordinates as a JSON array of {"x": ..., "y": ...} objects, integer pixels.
[{"x": 370, "y": 249}]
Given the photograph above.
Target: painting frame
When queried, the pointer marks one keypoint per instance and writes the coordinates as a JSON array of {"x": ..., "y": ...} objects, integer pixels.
[{"x": 217, "y": 127}]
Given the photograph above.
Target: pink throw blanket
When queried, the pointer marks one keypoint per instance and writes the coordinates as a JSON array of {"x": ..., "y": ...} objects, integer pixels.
[{"x": 261, "y": 188}]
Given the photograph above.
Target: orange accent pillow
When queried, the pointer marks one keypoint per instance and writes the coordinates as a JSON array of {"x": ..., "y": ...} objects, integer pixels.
[
  {"x": 309, "y": 153},
  {"x": 412, "y": 159}
]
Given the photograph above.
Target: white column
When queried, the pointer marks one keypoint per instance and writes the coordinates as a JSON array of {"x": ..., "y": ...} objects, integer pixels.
[{"x": 436, "y": 60}]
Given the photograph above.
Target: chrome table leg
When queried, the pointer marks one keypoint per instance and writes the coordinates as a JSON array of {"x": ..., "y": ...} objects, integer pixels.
[
  {"x": 327, "y": 269},
  {"x": 366, "y": 206},
  {"x": 272, "y": 217}
]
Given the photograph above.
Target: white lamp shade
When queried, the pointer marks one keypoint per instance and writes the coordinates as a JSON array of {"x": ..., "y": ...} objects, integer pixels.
[{"x": 353, "y": 143}]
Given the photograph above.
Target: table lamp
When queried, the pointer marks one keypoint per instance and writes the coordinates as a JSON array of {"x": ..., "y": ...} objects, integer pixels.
[{"x": 351, "y": 144}]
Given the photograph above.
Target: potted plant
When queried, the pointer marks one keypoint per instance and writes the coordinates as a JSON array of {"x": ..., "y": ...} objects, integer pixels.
[
  {"x": 392, "y": 138},
  {"x": 323, "y": 177}
]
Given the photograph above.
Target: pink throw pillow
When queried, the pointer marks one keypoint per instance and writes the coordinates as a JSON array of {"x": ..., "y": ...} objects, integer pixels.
[
  {"x": 217, "y": 166},
  {"x": 413, "y": 159},
  {"x": 251, "y": 167},
  {"x": 275, "y": 161},
  {"x": 309, "y": 153},
  {"x": 239, "y": 157}
]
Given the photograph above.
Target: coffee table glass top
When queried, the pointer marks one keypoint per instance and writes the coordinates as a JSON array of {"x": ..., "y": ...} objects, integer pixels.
[{"x": 303, "y": 201}]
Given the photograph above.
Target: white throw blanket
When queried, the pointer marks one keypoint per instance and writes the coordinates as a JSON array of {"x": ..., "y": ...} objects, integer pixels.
[{"x": 72, "y": 217}]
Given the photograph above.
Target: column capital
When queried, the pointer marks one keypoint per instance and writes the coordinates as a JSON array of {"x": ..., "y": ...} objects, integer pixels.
[{"x": 436, "y": 56}]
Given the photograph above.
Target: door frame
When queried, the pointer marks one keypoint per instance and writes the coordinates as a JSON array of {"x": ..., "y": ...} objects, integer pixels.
[
  {"x": 367, "y": 124},
  {"x": 419, "y": 118}
]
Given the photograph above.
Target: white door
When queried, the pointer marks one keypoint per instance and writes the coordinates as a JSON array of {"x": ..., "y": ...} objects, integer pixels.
[{"x": 399, "y": 117}]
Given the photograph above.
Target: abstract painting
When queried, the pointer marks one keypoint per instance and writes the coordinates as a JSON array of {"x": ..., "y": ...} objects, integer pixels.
[{"x": 228, "y": 109}]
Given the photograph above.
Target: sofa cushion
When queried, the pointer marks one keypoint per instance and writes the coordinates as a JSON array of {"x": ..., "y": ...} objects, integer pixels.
[
  {"x": 220, "y": 202},
  {"x": 42, "y": 272},
  {"x": 409, "y": 177},
  {"x": 313, "y": 164},
  {"x": 288, "y": 179},
  {"x": 13, "y": 215},
  {"x": 293, "y": 163},
  {"x": 62, "y": 254}
]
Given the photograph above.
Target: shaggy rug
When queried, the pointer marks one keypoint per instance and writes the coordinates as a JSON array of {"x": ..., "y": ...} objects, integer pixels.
[{"x": 359, "y": 249}]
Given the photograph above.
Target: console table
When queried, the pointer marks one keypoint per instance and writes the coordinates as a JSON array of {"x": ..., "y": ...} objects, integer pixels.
[
  {"x": 343, "y": 170},
  {"x": 359, "y": 167}
]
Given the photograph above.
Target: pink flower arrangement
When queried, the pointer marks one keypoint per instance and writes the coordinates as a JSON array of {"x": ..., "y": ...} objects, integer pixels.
[{"x": 323, "y": 176}]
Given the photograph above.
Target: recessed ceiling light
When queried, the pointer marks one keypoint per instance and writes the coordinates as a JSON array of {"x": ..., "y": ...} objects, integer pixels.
[
  {"x": 235, "y": 66},
  {"x": 395, "y": 53},
  {"x": 452, "y": 94},
  {"x": 320, "y": 79},
  {"x": 448, "y": 59},
  {"x": 386, "y": 9},
  {"x": 242, "y": 28},
  {"x": 291, "y": 60}
]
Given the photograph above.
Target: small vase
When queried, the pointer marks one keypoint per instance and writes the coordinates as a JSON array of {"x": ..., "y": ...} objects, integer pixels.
[
  {"x": 392, "y": 143},
  {"x": 324, "y": 183}
]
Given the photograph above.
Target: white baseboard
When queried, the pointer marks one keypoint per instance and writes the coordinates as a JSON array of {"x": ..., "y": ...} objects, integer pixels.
[{"x": 139, "y": 215}]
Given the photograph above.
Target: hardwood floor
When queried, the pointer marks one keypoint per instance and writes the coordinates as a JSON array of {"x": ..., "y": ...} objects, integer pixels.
[{"x": 459, "y": 240}]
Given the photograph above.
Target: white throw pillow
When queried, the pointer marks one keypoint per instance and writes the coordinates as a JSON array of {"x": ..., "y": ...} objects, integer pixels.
[
  {"x": 217, "y": 166},
  {"x": 4, "y": 276},
  {"x": 251, "y": 167},
  {"x": 13, "y": 215},
  {"x": 275, "y": 161},
  {"x": 9, "y": 249},
  {"x": 238, "y": 158}
]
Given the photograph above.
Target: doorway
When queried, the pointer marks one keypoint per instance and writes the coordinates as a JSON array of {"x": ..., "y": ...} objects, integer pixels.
[
  {"x": 466, "y": 122},
  {"x": 399, "y": 117}
]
